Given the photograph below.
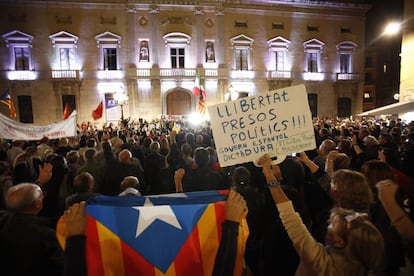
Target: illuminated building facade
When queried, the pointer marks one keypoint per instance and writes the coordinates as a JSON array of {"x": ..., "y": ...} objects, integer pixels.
[{"x": 82, "y": 53}]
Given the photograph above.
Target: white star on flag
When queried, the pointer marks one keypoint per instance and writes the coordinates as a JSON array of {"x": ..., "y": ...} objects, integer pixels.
[{"x": 149, "y": 214}]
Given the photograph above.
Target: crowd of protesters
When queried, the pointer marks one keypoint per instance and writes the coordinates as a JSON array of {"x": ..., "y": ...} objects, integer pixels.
[{"x": 363, "y": 170}]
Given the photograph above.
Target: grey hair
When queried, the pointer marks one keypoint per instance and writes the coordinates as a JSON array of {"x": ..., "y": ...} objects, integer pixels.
[{"x": 20, "y": 198}]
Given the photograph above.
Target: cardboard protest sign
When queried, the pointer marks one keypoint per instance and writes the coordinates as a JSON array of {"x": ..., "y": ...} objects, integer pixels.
[{"x": 278, "y": 122}]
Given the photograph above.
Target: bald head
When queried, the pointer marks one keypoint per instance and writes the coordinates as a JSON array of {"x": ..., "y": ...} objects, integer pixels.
[
  {"x": 130, "y": 182},
  {"x": 25, "y": 198},
  {"x": 125, "y": 156}
]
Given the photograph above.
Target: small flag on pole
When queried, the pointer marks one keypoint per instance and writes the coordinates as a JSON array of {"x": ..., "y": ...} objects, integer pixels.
[
  {"x": 97, "y": 113},
  {"x": 66, "y": 112},
  {"x": 6, "y": 99},
  {"x": 199, "y": 92}
]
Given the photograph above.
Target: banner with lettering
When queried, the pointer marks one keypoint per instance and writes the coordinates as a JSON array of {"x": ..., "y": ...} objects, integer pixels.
[
  {"x": 111, "y": 108},
  {"x": 11, "y": 129},
  {"x": 278, "y": 122}
]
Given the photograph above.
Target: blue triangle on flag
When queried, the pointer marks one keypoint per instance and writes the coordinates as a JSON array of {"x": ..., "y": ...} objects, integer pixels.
[{"x": 160, "y": 242}]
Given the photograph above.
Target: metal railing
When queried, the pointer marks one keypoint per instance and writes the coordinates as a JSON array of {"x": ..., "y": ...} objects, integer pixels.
[
  {"x": 65, "y": 74},
  {"x": 280, "y": 75},
  {"x": 177, "y": 72},
  {"x": 347, "y": 76}
]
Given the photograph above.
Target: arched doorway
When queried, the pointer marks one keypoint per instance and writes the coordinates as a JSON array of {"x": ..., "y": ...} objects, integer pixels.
[{"x": 178, "y": 102}]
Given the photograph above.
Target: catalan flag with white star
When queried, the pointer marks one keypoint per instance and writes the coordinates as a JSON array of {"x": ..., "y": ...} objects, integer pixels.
[
  {"x": 174, "y": 234},
  {"x": 6, "y": 99}
]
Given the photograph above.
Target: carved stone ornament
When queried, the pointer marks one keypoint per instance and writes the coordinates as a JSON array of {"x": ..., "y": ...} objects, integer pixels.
[
  {"x": 209, "y": 23},
  {"x": 143, "y": 21}
]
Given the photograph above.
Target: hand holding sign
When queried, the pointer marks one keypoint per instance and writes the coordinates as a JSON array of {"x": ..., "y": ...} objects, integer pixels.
[{"x": 278, "y": 122}]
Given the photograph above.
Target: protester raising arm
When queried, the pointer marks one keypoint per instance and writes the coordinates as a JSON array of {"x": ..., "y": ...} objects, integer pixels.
[
  {"x": 45, "y": 173},
  {"x": 387, "y": 190},
  {"x": 75, "y": 260},
  {"x": 226, "y": 254},
  {"x": 354, "y": 244}
]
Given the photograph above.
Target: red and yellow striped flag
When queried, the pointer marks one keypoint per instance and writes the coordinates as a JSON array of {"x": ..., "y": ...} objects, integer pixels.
[{"x": 177, "y": 234}]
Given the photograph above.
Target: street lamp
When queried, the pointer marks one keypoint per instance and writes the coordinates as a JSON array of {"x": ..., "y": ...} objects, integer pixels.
[
  {"x": 392, "y": 28},
  {"x": 122, "y": 99}
]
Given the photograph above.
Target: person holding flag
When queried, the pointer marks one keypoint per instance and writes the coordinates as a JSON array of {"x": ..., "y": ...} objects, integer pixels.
[
  {"x": 6, "y": 99},
  {"x": 199, "y": 92}
]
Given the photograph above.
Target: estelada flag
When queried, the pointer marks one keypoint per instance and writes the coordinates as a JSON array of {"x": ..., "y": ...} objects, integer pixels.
[
  {"x": 97, "y": 113},
  {"x": 66, "y": 112},
  {"x": 6, "y": 99},
  {"x": 175, "y": 234}
]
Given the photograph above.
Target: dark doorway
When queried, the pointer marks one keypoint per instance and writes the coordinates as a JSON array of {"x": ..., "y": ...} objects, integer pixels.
[
  {"x": 344, "y": 107},
  {"x": 70, "y": 100},
  {"x": 25, "y": 109}
]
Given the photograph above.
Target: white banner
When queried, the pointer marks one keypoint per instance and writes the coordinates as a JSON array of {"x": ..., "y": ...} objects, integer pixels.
[
  {"x": 11, "y": 129},
  {"x": 278, "y": 122}
]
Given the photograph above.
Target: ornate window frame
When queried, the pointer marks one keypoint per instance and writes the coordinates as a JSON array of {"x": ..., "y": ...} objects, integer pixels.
[
  {"x": 241, "y": 42},
  {"x": 64, "y": 40},
  {"x": 17, "y": 39},
  {"x": 108, "y": 40},
  {"x": 279, "y": 44},
  {"x": 313, "y": 46},
  {"x": 346, "y": 47}
]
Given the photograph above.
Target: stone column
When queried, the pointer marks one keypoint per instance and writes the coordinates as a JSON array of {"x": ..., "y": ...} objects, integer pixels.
[
  {"x": 131, "y": 39},
  {"x": 199, "y": 44},
  {"x": 155, "y": 32},
  {"x": 220, "y": 39}
]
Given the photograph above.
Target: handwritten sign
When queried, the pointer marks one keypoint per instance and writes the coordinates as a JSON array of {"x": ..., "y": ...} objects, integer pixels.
[{"x": 278, "y": 122}]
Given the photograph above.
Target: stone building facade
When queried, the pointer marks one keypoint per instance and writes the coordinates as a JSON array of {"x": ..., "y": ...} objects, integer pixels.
[{"x": 54, "y": 53}]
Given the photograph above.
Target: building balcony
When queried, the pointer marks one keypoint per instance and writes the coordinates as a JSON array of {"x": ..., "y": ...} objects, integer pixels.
[
  {"x": 65, "y": 75},
  {"x": 22, "y": 75},
  {"x": 144, "y": 73},
  {"x": 177, "y": 72},
  {"x": 314, "y": 76},
  {"x": 347, "y": 77},
  {"x": 211, "y": 72},
  {"x": 279, "y": 75}
]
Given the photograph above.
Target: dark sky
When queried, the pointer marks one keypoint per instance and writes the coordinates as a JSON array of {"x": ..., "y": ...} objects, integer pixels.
[{"x": 382, "y": 11}]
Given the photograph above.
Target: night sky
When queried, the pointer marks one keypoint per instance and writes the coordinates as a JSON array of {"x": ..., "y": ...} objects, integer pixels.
[{"x": 382, "y": 11}]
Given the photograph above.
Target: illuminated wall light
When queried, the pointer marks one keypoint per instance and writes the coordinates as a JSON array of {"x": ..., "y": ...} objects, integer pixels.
[
  {"x": 110, "y": 87},
  {"x": 311, "y": 76},
  {"x": 188, "y": 86},
  {"x": 167, "y": 85},
  {"x": 210, "y": 65},
  {"x": 144, "y": 84},
  {"x": 242, "y": 74},
  {"x": 22, "y": 75},
  {"x": 243, "y": 86},
  {"x": 110, "y": 74},
  {"x": 211, "y": 84}
]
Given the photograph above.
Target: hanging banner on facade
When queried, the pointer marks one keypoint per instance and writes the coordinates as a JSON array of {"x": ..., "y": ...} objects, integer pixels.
[
  {"x": 278, "y": 122},
  {"x": 11, "y": 129},
  {"x": 111, "y": 108}
]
